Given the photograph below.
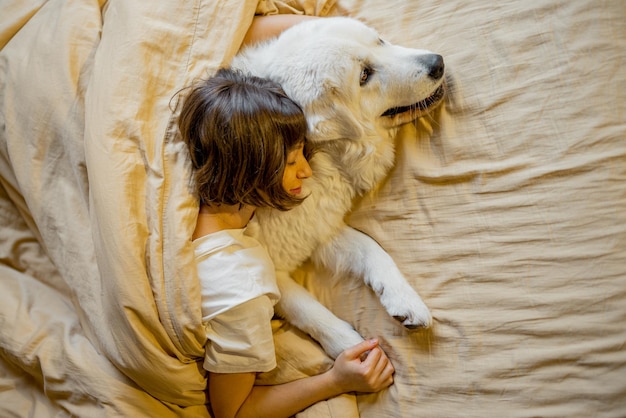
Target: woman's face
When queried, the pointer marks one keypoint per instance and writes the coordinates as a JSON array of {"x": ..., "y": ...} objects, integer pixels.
[{"x": 297, "y": 168}]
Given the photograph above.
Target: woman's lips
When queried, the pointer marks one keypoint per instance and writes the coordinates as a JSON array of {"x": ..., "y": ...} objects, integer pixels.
[{"x": 296, "y": 191}]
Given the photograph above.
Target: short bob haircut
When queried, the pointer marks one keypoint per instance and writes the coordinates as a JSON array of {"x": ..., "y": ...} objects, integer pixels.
[{"x": 239, "y": 130}]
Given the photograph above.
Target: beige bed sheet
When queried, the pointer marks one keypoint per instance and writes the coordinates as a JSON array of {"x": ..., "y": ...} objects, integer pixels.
[{"x": 506, "y": 210}]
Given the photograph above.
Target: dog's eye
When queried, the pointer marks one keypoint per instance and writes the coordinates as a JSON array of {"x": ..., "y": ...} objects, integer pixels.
[{"x": 365, "y": 75}]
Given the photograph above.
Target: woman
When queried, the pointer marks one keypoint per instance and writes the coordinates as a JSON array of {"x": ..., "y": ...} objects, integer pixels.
[{"x": 246, "y": 141}]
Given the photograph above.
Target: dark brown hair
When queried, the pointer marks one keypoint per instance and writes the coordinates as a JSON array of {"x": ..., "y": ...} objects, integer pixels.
[{"x": 239, "y": 130}]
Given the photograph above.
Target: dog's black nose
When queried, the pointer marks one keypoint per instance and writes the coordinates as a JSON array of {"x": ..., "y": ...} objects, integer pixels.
[{"x": 434, "y": 64}]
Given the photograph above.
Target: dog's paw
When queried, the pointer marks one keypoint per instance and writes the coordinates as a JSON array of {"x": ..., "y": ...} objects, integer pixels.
[
  {"x": 406, "y": 307},
  {"x": 415, "y": 322}
]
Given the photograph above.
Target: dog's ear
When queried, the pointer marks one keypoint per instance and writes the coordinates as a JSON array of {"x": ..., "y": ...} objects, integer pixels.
[{"x": 331, "y": 118}]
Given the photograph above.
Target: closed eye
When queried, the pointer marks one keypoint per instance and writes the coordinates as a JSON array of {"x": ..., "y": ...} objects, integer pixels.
[{"x": 366, "y": 73}]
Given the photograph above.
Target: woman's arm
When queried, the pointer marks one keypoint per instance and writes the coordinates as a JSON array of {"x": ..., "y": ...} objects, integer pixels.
[
  {"x": 266, "y": 27},
  {"x": 234, "y": 395}
]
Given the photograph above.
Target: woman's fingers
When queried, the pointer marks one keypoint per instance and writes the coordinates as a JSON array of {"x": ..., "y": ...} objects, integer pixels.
[
  {"x": 380, "y": 368},
  {"x": 370, "y": 362},
  {"x": 373, "y": 357},
  {"x": 360, "y": 349}
]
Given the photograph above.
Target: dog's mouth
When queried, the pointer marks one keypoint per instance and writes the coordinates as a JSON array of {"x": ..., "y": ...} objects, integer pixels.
[{"x": 420, "y": 107}]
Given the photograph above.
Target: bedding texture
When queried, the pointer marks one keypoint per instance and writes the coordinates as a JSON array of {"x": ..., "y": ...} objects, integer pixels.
[{"x": 506, "y": 210}]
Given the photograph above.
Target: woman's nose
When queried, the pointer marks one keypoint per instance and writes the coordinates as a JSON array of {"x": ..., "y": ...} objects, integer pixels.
[{"x": 304, "y": 170}]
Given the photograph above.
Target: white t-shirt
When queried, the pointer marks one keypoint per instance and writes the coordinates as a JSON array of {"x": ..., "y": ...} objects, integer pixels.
[{"x": 238, "y": 288}]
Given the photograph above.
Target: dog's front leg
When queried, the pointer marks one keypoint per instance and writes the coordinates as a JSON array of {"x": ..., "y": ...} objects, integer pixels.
[
  {"x": 353, "y": 252},
  {"x": 301, "y": 309}
]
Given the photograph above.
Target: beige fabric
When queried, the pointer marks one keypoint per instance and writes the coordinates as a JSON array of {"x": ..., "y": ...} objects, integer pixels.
[
  {"x": 506, "y": 211},
  {"x": 14, "y": 15},
  {"x": 307, "y": 7}
]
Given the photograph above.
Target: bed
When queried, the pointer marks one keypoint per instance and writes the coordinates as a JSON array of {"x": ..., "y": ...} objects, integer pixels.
[{"x": 506, "y": 210}]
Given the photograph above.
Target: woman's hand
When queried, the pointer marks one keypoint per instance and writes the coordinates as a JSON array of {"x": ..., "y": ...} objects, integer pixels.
[{"x": 363, "y": 368}]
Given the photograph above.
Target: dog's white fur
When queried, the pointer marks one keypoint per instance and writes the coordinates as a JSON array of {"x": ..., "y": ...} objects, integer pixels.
[{"x": 321, "y": 64}]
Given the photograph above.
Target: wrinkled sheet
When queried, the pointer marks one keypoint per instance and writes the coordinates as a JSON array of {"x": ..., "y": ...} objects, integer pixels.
[{"x": 506, "y": 210}]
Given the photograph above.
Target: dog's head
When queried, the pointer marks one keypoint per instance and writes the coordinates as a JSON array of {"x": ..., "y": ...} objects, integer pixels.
[{"x": 349, "y": 81}]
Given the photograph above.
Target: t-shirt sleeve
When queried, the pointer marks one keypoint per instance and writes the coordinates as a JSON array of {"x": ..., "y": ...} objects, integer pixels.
[{"x": 240, "y": 340}]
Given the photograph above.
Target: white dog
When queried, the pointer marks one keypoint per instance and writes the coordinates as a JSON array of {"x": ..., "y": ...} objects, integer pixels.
[{"x": 355, "y": 90}]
